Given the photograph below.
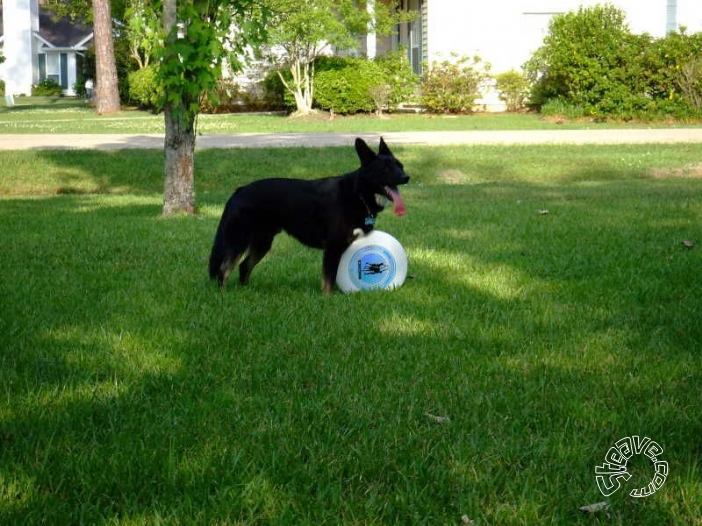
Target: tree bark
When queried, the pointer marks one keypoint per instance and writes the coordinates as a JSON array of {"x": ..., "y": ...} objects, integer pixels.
[
  {"x": 106, "y": 87},
  {"x": 179, "y": 143},
  {"x": 179, "y": 164}
]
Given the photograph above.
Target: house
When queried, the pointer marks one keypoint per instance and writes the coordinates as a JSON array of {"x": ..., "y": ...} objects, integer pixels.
[
  {"x": 38, "y": 46},
  {"x": 506, "y": 32}
]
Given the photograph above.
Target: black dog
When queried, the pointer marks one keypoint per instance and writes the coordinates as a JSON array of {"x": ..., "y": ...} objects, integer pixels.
[{"x": 322, "y": 213}]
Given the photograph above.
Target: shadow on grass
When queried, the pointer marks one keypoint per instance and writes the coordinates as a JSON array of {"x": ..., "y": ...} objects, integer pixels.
[
  {"x": 135, "y": 391},
  {"x": 34, "y": 103},
  {"x": 140, "y": 172}
]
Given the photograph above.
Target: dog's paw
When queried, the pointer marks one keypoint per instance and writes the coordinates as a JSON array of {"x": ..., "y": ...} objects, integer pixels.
[{"x": 357, "y": 232}]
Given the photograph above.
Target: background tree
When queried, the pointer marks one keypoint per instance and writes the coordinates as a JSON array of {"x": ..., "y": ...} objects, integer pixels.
[
  {"x": 198, "y": 37},
  {"x": 101, "y": 14},
  {"x": 142, "y": 27},
  {"x": 306, "y": 30},
  {"x": 106, "y": 84}
]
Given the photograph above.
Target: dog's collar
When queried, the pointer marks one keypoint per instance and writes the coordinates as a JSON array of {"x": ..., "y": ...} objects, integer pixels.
[{"x": 370, "y": 218}]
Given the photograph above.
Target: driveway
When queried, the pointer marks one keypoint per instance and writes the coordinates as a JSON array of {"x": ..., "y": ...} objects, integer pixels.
[{"x": 282, "y": 140}]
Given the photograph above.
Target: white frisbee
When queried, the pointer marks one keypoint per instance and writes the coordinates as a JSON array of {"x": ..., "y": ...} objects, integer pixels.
[{"x": 373, "y": 261}]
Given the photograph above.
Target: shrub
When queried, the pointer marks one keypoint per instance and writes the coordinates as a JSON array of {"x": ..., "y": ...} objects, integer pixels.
[
  {"x": 2, "y": 87},
  {"x": 514, "y": 88},
  {"x": 229, "y": 97},
  {"x": 144, "y": 90},
  {"x": 452, "y": 86},
  {"x": 225, "y": 97},
  {"x": 669, "y": 71},
  {"x": 350, "y": 85},
  {"x": 400, "y": 82},
  {"x": 564, "y": 109},
  {"x": 47, "y": 88},
  {"x": 347, "y": 87},
  {"x": 688, "y": 78},
  {"x": 590, "y": 61},
  {"x": 124, "y": 62},
  {"x": 582, "y": 57},
  {"x": 275, "y": 93},
  {"x": 381, "y": 97}
]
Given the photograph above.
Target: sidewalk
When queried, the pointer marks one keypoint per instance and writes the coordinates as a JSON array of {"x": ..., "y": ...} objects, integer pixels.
[{"x": 319, "y": 140}]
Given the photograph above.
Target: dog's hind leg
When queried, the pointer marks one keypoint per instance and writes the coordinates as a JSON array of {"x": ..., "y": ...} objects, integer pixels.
[
  {"x": 225, "y": 269},
  {"x": 330, "y": 264},
  {"x": 259, "y": 247}
]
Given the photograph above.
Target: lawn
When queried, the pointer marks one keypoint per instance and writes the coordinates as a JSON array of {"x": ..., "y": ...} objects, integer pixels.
[
  {"x": 553, "y": 309},
  {"x": 42, "y": 115}
]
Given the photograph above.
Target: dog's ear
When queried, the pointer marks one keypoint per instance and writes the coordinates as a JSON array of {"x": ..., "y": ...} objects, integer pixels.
[
  {"x": 365, "y": 154},
  {"x": 383, "y": 149}
]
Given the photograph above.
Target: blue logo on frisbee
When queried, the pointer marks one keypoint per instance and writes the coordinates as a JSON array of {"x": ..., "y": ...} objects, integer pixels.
[{"x": 372, "y": 267}]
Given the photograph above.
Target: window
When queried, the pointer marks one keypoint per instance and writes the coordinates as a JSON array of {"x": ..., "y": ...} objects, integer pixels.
[
  {"x": 54, "y": 66},
  {"x": 411, "y": 35}
]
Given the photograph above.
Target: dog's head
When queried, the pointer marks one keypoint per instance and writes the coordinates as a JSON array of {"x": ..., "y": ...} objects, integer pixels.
[{"x": 380, "y": 175}]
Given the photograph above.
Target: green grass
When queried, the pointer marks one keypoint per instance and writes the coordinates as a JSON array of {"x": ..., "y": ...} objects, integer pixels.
[
  {"x": 133, "y": 392},
  {"x": 33, "y": 115}
]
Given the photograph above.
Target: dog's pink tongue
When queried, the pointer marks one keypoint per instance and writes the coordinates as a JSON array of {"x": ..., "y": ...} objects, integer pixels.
[{"x": 398, "y": 205}]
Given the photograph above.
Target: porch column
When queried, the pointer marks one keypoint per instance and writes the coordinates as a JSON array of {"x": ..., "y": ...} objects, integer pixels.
[
  {"x": 20, "y": 17},
  {"x": 371, "y": 42}
]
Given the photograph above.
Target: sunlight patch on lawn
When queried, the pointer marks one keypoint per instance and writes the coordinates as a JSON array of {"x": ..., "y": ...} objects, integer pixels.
[
  {"x": 499, "y": 281},
  {"x": 408, "y": 325},
  {"x": 113, "y": 354}
]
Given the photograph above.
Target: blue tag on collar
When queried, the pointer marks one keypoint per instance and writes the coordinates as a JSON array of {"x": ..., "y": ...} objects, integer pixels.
[{"x": 370, "y": 221}]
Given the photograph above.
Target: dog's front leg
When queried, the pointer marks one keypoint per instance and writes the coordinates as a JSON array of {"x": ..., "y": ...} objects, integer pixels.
[{"x": 330, "y": 264}]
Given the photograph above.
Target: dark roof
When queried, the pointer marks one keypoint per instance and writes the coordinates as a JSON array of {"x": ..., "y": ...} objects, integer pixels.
[{"x": 61, "y": 32}]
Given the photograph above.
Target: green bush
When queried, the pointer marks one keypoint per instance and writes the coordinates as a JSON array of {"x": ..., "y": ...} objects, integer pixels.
[
  {"x": 688, "y": 79},
  {"x": 2, "y": 87},
  {"x": 514, "y": 88},
  {"x": 400, "y": 81},
  {"x": 47, "y": 88},
  {"x": 591, "y": 62},
  {"x": 583, "y": 57},
  {"x": 671, "y": 72},
  {"x": 350, "y": 85},
  {"x": 346, "y": 87},
  {"x": 125, "y": 64},
  {"x": 144, "y": 90},
  {"x": 274, "y": 91},
  {"x": 452, "y": 86},
  {"x": 225, "y": 97}
]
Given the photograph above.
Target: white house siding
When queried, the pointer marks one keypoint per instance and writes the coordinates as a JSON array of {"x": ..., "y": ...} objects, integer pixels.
[{"x": 17, "y": 44}]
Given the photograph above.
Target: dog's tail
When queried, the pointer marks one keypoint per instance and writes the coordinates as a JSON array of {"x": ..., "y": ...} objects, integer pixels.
[
  {"x": 219, "y": 246},
  {"x": 230, "y": 242},
  {"x": 217, "y": 254}
]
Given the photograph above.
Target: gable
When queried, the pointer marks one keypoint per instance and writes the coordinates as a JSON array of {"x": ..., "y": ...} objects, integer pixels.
[
  {"x": 58, "y": 32},
  {"x": 63, "y": 32}
]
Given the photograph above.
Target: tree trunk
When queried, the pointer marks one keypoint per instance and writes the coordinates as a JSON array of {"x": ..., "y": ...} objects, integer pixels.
[
  {"x": 302, "y": 86},
  {"x": 179, "y": 144},
  {"x": 179, "y": 163},
  {"x": 106, "y": 88}
]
